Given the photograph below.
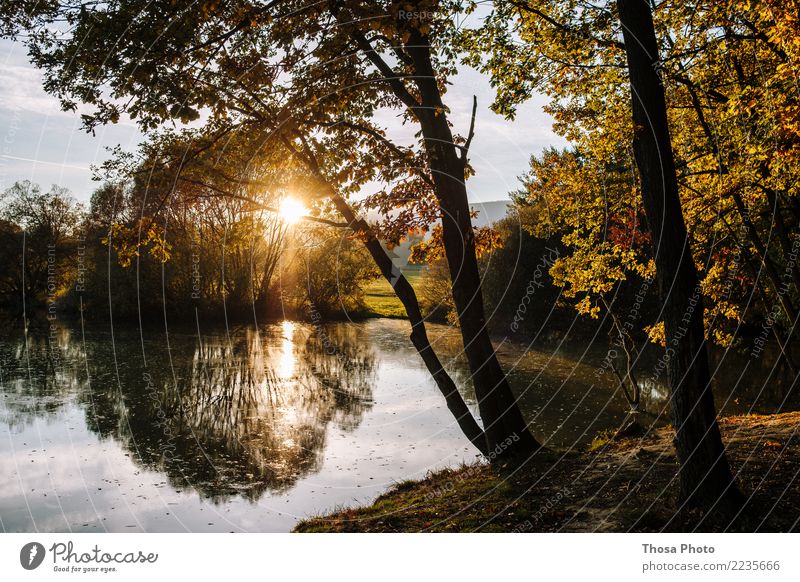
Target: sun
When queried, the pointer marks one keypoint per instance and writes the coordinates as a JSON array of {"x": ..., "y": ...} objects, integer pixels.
[{"x": 292, "y": 210}]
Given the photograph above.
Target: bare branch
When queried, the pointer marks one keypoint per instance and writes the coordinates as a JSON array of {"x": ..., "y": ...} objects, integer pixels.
[
  {"x": 471, "y": 134},
  {"x": 222, "y": 193}
]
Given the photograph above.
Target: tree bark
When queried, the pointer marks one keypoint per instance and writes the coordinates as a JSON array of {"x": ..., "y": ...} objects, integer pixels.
[
  {"x": 419, "y": 336},
  {"x": 705, "y": 476},
  {"x": 507, "y": 432}
]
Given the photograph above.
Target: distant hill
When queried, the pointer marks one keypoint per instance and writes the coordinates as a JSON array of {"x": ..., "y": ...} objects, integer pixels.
[{"x": 488, "y": 214}]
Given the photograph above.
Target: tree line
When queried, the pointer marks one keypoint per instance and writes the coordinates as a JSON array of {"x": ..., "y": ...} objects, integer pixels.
[{"x": 212, "y": 259}]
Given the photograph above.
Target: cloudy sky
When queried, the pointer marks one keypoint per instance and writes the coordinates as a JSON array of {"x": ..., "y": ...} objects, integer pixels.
[{"x": 45, "y": 145}]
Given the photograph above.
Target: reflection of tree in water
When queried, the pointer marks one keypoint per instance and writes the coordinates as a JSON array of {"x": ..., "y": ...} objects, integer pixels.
[
  {"x": 240, "y": 415},
  {"x": 37, "y": 375},
  {"x": 340, "y": 362},
  {"x": 236, "y": 418},
  {"x": 248, "y": 413}
]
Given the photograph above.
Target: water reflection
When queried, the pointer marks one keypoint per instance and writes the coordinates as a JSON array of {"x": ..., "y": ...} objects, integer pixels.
[
  {"x": 120, "y": 430},
  {"x": 568, "y": 399},
  {"x": 240, "y": 413},
  {"x": 286, "y": 361},
  {"x": 36, "y": 375}
]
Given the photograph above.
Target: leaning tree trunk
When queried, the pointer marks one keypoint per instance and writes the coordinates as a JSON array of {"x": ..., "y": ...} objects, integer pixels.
[
  {"x": 419, "y": 336},
  {"x": 705, "y": 476},
  {"x": 407, "y": 296},
  {"x": 506, "y": 430},
  {"x": 505, "y": 427}
]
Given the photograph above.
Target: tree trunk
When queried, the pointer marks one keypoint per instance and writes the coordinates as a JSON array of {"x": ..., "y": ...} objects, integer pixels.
[
  {"x": 408, "y": 297},
  {"x": 705, "y": 476},
  {"x": 419, "y": 336},
  {"x": 506, "y": 430}
]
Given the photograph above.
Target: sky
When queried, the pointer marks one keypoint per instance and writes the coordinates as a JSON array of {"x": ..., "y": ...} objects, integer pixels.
[{"x": 45, "y": 145}]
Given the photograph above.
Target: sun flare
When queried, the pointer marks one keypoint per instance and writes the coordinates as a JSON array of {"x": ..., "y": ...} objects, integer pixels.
[{"x": 292, "y": 210}]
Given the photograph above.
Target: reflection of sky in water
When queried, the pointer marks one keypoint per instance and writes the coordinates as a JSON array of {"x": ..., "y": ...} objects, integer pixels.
[
  {"x": 249, "y": 431},
  {"x": 286, "y": 440}
]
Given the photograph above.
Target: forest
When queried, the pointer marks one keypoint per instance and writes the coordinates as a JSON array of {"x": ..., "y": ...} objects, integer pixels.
[{"x": 292, "y": 151}]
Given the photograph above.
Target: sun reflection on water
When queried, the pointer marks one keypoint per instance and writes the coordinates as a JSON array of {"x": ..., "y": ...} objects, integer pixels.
[{"x": 286, "y": 360}]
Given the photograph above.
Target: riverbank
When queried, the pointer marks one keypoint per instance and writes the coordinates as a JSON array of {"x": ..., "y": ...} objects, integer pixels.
[{"x": 625, "y": 485}]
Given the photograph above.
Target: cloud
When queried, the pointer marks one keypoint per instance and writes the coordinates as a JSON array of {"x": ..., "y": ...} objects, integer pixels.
[
  {"x": 47, "y": 145},
  {"x": 40, "y": 142},
  {"x": 21, "y": 83}
]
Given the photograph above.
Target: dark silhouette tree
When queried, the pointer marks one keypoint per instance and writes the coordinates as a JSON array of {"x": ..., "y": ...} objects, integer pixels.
[{"x": 705, "y": 476}]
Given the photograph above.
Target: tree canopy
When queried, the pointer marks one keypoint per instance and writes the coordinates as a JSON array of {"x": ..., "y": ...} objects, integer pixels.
[{"x": 730, "y": 71}]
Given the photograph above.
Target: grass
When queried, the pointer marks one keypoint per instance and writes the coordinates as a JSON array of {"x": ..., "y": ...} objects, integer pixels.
[
  {"x": 417, "y": 505},
  {"x": 381, "y": 300},
  {"x": 622, "y": 485},
  {"x": 601, "y": 440}
]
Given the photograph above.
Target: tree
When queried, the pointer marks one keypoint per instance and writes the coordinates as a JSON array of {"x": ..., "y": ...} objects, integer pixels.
[
  {"x": 201, "y": 167},
  {"x": 43, "y": 229},
  {"x": 520, "y": 291},
  {"x": 705, "y": 476},
  {"x": 330, "y": 273},
  {"x": 11, "y": 279},
  {"x": 581, "y": 57},
  {"x": 729, "y": 71},
  {"x": 311, "y": 77}
]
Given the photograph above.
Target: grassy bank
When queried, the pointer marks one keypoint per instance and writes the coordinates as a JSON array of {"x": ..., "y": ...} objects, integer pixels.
[
  {"x": 380, "y": 298},
  {"x": 628, "y": 485}
]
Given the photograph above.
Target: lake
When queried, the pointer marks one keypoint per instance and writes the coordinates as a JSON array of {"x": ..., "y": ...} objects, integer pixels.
[{"x": 251, "y": 429}]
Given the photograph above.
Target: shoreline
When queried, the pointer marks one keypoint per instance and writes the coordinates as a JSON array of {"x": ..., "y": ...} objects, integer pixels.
[{"x": 623, "y": 485}]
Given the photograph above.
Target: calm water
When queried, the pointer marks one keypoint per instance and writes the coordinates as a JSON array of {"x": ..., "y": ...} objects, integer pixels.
[{"x": 252, "y": 430}]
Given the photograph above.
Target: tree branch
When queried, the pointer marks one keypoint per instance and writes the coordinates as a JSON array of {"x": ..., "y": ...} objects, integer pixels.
[
  {"x": 222, "y": 193},
  {"x": 524, "y": 6},
  {"x": 244, "y": 23},
  {"x": 471, "y": 134},
  {"x": 389, "y": 75}
]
